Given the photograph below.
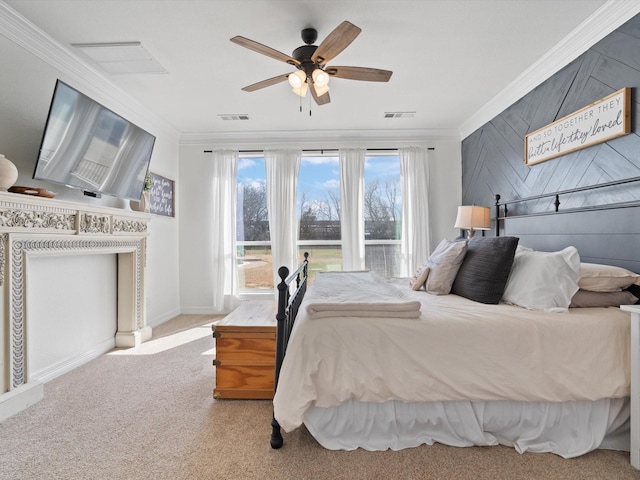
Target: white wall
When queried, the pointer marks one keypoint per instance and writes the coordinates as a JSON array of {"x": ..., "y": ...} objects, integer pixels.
[
  {"x": 196, "y": 233},
  {"x": 163, "y": 262},
  {"x": 445, "y": 187}
]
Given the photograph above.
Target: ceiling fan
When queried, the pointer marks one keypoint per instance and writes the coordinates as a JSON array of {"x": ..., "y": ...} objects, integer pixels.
[{"x": 311, "y": 62}]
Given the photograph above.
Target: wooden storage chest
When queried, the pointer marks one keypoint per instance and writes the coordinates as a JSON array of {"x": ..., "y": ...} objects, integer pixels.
[{"x": 245, "y": 352}]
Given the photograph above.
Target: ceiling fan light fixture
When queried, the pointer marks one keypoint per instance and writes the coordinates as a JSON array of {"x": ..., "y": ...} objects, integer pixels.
[
  {"x": 301, "y": 90},
  {"x": 297, "y": 79},
  {"x": 321, "y": 90},
  {"x": 320, "y": 77}
]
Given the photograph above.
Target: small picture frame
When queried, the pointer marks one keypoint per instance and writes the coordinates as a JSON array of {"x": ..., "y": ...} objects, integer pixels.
[{"x": 162, "y": 198}]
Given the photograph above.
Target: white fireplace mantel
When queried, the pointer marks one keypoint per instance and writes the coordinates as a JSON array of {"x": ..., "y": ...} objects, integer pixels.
[{"x": 35, "y": 226}]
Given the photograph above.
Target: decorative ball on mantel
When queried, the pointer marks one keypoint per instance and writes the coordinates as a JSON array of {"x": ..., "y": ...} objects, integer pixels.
[{"x": 8, "y": 173}]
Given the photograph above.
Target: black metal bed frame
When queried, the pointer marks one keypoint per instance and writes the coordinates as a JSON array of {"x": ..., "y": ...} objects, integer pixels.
[
  {"x": 288, "y": 305},
  {"x": 557, "y": 203}
]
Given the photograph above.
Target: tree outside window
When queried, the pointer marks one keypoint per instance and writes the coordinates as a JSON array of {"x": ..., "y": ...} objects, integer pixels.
[
  {"x": 382, "y": 209},
  {"x": 254, "y": 258}
]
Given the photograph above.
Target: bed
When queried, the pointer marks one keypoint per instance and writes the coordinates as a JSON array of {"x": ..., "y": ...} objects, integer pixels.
[{"x": 540, "y": 378}]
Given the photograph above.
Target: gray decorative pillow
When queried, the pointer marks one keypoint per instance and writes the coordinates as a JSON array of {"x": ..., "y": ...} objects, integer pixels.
[
  {"x": 444, "y": 264},
  {"x": 586, "y": 299},
  {"x": 485, "y": 269}
]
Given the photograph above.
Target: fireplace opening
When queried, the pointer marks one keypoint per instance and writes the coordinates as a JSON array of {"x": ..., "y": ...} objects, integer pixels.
[{"x": 72, "y": 311}]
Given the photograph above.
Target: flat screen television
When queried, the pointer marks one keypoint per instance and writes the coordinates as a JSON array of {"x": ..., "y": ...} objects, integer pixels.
[{"x": 87, "y": 146}]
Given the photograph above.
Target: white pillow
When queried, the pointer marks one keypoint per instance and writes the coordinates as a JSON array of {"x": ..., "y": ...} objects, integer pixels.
[
  {"x": 417, "y": 281},
  {"x": 444, "y": 264},
  {"x": 606, "y": 278},
  {"x": 543, "y": 280}
]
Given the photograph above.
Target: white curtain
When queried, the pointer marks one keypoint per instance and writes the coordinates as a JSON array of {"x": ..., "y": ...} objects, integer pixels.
[
  {"x": 414, "y": 173},
  {"x": 351, "y": 208},
  {"x": 282, "y": 176},
  {"x": 224, "y": 164}
]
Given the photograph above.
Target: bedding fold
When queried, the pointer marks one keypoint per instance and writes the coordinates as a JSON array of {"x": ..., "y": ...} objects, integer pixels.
[{"x": 357, "y": 294}]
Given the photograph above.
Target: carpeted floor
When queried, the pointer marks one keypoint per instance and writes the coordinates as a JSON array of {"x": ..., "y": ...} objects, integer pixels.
[{"x": 148, "y": 413}]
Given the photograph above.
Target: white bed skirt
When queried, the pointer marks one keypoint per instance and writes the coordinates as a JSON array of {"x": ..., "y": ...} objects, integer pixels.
[{"x": 567, "y": 429}]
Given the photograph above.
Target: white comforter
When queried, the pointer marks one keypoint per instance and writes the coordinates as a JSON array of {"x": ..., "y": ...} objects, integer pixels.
[
  {"x": 357, "y": 294},
  {"x": 456, "y": 350}
]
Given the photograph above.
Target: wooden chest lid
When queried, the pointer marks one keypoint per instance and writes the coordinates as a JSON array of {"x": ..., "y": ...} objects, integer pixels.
[{"x": 259, "y": 316}]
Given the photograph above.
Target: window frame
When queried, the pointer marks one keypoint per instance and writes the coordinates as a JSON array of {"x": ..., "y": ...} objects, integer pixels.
[{"x": 300, "y": 244}]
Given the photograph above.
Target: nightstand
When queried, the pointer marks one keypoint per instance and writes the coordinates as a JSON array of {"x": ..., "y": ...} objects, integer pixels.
[{"x": 635, "y": 382}]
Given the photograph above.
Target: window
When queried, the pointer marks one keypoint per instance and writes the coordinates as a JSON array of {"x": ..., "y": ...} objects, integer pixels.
[
  {"x": 318, "y": 193},
  {"x": 382, "y": 209},
  {"x": 319, "y": 206},
  {"x": 255, "y": 266}
]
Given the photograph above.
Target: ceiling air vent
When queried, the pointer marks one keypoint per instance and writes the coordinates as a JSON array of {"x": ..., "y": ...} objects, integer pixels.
[
  {"x": 399, "y": 114},
  {"x": 234, "y": 116},
  {"x": 120, "y": 58}
]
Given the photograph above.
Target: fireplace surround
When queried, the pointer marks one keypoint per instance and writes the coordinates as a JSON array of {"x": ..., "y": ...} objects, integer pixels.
[{"x": 35, "y": 226}]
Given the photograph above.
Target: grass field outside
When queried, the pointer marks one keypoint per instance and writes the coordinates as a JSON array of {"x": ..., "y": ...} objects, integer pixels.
[{"x": 255, "y": 263}]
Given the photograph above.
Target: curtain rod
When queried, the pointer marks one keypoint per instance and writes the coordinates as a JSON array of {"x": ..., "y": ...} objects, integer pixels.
[{"x": 322, "y": 150}]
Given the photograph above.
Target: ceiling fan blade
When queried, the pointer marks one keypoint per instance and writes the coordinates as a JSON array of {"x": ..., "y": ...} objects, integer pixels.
[
  {"x": 264, "y": 50},
  {"x": 365, "y": 74},
  {"x": 266, "y": 83},
  {"x": 320, "y": 100},
  {"x": 339, "y": 39}
]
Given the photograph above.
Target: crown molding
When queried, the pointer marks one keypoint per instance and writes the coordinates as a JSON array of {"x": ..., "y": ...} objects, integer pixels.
[
  {"x": 372, "y": 138},
  {"x": 22, "y": 32},
  {"x": 600, "y": 24}
]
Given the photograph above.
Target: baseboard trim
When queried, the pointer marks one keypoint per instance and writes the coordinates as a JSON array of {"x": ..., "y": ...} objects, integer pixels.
[
  {"x": 47, "y": 374},
  {"x": 163, "y": 318},
  {"x": 20, "y": 398},
  {"x": 201, "y": 311}
]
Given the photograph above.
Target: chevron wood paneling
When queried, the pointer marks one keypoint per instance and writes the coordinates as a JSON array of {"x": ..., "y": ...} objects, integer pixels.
[{"x": 493, "y": 156}]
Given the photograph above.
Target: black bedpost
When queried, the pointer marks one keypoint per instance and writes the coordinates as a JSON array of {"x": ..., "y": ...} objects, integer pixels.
[
  {"x": 497, "y": 215},
  {"x": 276, "y": 436},
  {"x": 306, "y": 264}
]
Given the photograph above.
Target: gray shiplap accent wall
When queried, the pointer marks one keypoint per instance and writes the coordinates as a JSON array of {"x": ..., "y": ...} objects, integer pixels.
[{"x": 493, "y": 156}]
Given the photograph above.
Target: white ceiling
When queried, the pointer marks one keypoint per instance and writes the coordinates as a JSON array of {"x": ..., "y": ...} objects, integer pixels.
[{"x": 450, "y": 58}]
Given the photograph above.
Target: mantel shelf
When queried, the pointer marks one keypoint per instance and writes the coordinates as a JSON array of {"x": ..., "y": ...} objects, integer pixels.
[{"x": 30, "y": 214}]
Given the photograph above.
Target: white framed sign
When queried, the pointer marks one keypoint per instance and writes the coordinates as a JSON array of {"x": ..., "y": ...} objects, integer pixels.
[{"x": 603, "y": 120}]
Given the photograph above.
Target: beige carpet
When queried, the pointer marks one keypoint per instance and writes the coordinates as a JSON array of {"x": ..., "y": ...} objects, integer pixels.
[{"x": 148, "y": 413}]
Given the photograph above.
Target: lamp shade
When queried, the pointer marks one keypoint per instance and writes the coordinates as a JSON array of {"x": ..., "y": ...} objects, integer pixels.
[
  {"x": 301, "y": 90},
  {"x": 297, "y": 78},
  {"x": 472, "y": 217},
  {"x": 320, "y": 77},
  {"x": 321, "y": 90}
]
